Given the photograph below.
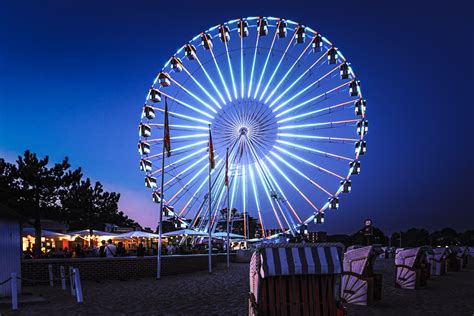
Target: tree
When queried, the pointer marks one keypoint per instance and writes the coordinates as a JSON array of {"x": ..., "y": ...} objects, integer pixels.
[
  {"x": 90, "y": 206},
  {"x": 38, "y": 188}
]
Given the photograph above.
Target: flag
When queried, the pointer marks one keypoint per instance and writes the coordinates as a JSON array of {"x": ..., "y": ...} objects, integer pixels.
[
  {"x": 211, "y": 151},
  {"x": 226, "y": 178},
  {"x": 166, "y": 136}
]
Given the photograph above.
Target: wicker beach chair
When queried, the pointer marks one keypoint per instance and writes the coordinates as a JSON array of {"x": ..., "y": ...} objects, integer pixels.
[
  {"x": 295, "y": 279},
  {"x": 438, "y": 262},
  {"x": 455, "y": 259},
  {"x": 411, "y": 265},
  {"x": 360, "y": 285}
]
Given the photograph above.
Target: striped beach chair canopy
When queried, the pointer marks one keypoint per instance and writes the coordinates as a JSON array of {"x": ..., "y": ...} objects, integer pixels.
[
  {"x": 291, "y": 259},
  {"x": 407, "y": 257},
  {"x": 356, "y": 260},
  {"x": 439, "y": 253}
]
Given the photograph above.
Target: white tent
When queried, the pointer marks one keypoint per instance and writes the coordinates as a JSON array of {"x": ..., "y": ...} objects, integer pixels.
[
  {"x": 44, "y": 233},
  {"x": 87, "y": 232},
  {"x": 137, "y": 234},
  {"x": 188, "y": 232},
  {"x": 224, "y": 235}
]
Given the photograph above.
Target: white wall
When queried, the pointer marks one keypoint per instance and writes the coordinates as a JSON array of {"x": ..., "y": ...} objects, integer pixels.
[{"x": 10, "y": 253}]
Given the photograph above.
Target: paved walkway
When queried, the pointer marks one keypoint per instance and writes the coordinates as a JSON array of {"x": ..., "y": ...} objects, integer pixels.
[{"x": 225, "y": 293}]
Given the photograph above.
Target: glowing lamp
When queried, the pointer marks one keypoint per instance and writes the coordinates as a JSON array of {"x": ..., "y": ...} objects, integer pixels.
[
  {"x": 332, "y": 55},
  {"x": 145, "y": 165},
  {"x": 206, "y": 41},
  {"x": 164, "y": 79},
  {"x": 362, "y": 127},
  {"x": 224, "y": 34},
  {"x": 262, "y": 27},
  {"x": 243, "y": 28},
  {"x": 148, "y": 112},
  {"x": 319, "y": 218},
  {"x": 282, "y": 29},
  {"x": 346, "y": 186},
  {"x": 333, "y": 203},
  {"x": 354, "y": 88},
  {"x": 300, "y": 34},
  {"x": 360, "y": 107},
  {"x": 150, "y": 182},
  {"x": 144, "y": 130},
  {"x": 176, "y": 64},
  {"x": 354, "y": 167},
  {"x": 317, "y": 43},
  {"x": 143, "y": 148},
  {"x": 344, "y": 71},
  {"x": 360, "y": 147},
  {"x": 154, "y": 95},
  {"x": 156, "y": 197},
  {"x": 190, "y": 51}
]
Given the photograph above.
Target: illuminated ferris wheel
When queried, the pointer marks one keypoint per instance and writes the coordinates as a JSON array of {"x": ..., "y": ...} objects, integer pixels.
[{"x": 282, "y": 100}]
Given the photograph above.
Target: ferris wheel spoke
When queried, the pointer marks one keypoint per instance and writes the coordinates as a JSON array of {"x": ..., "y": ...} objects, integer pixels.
[
  {"x": 178, "y": 149},
  {"x": 253, "y": 65},
  {"x": 194, "y": 95},
  {"x": 328, "y": 109},
  {"x": 231, "y": 70},
  {"x": 291, "y": 183},
  {"x": 180, "y": 126},
  {"x": 272, "y": 184},
  {"x": 267, "y": 193},
  {"x": 321, "y": 138},
  {"x": 220, "y": 73},
  {"x": 321, "y": 125},
  {"x": 320, "y": 187},
  {"x": 298, "y": 79},
  {"x": 265, "y": 64},
  {"x": 325, "y": 94},
  {"x": 185, "y": 170},
  {"x": 203, "y": 89},
  {"x": 324, "y": 153},
  {"x": 277, "y": 67},
  {"x": 307, "y": 88},
  {"x": 175, "y": 138},
  {"x": 296, "y": 157},
  {"x": 181, "y": 116},
  {"x": 189, "y": 106},
  {"x": 187, "y": 184},
  {"x": 178, "y": 161},
  {"x": 211, "y": 81},
  {"x": 287, "y": 73},
  {"x": 257, "y": 202}
]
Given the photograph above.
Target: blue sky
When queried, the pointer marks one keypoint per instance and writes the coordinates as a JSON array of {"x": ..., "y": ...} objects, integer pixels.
[{"x": 73, "y": 77}]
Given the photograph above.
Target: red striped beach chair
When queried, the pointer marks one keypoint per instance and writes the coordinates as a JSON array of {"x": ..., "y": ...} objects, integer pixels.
[
  {"x": 438, "y": 262},
  {"x": 360, "y": 285},
  {"x": 295, "y": 279},
  {"x": 410, "y": 267}
]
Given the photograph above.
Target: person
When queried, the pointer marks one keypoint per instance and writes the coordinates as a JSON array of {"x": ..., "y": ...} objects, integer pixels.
[
  {"x": 141, "y": 250},
  {"x": 110, "y": 249},
  {"x": 121, "y": 252},
  {"x": 102, "y": 249},
  {"x": 28, "y": 254},
  {"x": 78, "y": 251}
]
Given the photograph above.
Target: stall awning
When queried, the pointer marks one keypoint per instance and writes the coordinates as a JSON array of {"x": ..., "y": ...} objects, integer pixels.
[{"x": 297, "y": 259}]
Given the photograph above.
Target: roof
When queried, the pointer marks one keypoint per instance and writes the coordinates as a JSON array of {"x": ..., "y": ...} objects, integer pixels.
[{"x": 293, "y": 259}]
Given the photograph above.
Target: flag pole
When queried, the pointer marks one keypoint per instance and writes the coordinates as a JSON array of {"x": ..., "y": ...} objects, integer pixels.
[
  {"x": 228, "y": 207},
  {"x": 160, "y": 217},
  {"x": 209, "y": 200}
]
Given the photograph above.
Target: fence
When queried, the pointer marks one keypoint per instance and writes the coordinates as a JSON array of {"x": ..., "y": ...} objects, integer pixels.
[{"x": 74, "y": 278}]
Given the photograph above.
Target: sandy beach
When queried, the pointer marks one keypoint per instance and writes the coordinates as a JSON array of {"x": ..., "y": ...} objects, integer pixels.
[{"x": 225, "y": 293}]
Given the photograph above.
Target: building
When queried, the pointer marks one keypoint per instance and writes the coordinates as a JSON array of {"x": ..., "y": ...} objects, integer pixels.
[
  {"x": 317, "y": 237},
  {"x": 10, "y": 247}
]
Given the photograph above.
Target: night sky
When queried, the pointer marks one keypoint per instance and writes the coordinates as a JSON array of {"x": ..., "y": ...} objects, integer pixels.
[{"x": 73, "y": 78}]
